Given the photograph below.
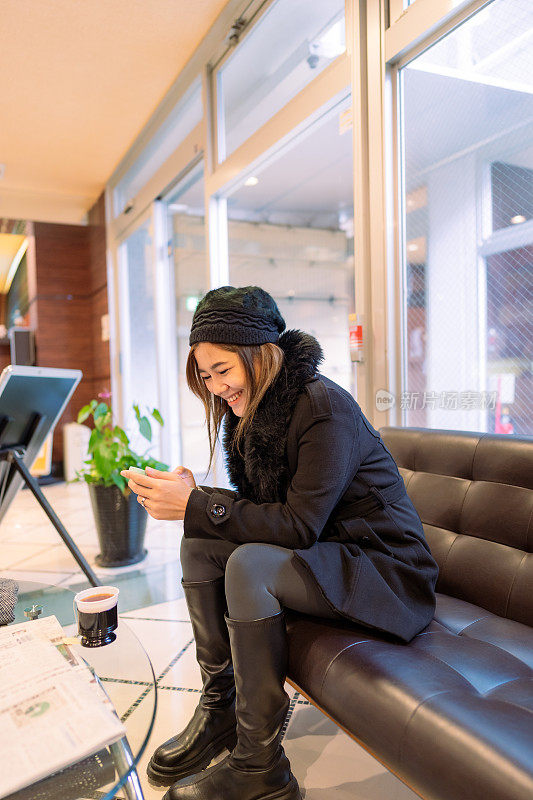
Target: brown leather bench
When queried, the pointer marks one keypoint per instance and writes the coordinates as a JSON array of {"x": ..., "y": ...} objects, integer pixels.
[{"x": 450, "y": 713}]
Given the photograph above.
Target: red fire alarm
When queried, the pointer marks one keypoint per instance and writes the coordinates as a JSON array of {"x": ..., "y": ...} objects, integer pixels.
[{"x": 355, "y": 328}]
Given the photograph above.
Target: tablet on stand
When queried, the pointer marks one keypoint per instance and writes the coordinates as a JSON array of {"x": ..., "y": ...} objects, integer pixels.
[{"x": 32, "y": 400}]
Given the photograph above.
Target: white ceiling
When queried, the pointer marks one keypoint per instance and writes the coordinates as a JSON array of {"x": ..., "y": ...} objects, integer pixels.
[
  {"x": 79, "y": 81},
  {"x": 85, "y": 77}
]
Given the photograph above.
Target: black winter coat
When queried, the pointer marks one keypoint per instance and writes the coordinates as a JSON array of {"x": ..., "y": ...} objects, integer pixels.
[{"x": 316, "y": 477}]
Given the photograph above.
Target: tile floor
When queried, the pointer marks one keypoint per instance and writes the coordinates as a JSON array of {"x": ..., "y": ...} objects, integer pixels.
[{"x": 327, "y": 763}]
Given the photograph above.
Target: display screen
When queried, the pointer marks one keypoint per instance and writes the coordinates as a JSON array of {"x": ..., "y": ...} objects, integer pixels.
[{"x": 31, "y": 401}]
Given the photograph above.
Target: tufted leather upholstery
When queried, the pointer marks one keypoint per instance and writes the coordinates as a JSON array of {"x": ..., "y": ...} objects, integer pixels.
[
  {"x": 451, "y": 712},
  {"x": 474, "y": 495}
]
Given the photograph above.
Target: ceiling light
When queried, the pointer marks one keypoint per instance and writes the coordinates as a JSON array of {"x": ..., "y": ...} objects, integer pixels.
[
  {"x": 14, "y": 265},
  {"x": 251, "y": 181},
  {"x": 412, "y": 248},
  {"x": 346, "y": 222},
  {"x": 417, "y": 198},
  {"x": 191, "y": 302},
  {"x": 518, "y": 219},
  {"x": 331, "y": 43}
]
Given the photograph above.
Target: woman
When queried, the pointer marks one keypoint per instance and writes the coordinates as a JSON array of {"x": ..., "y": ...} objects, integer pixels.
[{"x": 320, "y": 522}]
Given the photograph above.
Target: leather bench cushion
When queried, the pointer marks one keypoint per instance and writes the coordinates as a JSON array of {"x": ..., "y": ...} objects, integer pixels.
[
  {"x": 462, "y": 454},
  {"x": 474, "y": 495},
  {"x": 470, "y": 620},
  {"x": 451, "y": 712}
]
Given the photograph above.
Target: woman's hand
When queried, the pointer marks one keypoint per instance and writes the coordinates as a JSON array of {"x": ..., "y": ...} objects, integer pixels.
[
  {"x": 163, "y": 494},
  {"x": 186, "y": 475}
]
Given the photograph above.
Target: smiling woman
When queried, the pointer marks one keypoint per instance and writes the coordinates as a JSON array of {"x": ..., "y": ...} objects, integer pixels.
[
  {"x": 307, "y": 467},
  {"x": 238, "y": 377},
  {"x": 226, "y": 378}
]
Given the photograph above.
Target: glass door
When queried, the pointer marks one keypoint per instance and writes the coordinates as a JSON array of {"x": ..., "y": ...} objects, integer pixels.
[
  {"x": 183, "y": 210},
  {"x": 467, "y": 232},
  {"x": 290, "y": 230},
  {"x": 137, "y": 300}
]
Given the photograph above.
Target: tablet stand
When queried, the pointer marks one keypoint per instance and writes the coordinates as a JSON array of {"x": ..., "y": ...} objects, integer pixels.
[
  {"x": 14, "y": 456},
  {"x": 32, "y": 400}
]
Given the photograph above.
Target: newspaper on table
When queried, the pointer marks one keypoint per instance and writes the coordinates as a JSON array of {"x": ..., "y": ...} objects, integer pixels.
[{"x": 53, "y": 710}]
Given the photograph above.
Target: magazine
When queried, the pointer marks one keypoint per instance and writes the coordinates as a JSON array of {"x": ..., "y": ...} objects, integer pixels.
[{"x": 53, "y": 710}]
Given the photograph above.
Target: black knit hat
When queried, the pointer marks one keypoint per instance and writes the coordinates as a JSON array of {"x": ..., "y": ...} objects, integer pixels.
[{"x": 228, "y": 315}]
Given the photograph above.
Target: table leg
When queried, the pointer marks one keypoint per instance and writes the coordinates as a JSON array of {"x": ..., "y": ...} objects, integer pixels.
[{"x": 123, "y": 758}]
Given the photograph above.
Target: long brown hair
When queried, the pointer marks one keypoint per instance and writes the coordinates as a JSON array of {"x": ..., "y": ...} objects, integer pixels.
[{"x": 261, "y": 363}]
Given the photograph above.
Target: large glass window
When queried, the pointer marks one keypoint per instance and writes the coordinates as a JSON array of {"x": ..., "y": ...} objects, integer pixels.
[
  {"x": 180, "y": 122},
  {"x": 139, "y": 338},
  {"x": 467, "y": 110},
  {"x": 292, "y": 43},
  {"x": 187, "y": 249},
  {"x": 290, "y": 230}
]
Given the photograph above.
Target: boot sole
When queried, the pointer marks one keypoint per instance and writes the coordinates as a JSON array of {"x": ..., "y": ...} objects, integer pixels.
[
  {"x": 289, "y": 792},
  {"x": 161, "y": 777}
]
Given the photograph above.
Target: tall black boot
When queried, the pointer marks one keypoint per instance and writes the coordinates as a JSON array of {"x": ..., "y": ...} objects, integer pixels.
[
  {"x": 257, "y": 769},
  {"x": 212, "y": 727}
]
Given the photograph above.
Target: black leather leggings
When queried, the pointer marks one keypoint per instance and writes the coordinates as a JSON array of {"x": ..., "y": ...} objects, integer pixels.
[{"x": 259, "y": 578}]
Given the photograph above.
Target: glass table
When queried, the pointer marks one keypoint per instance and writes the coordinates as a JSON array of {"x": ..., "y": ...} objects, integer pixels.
[{"x": 126, "y": 673}]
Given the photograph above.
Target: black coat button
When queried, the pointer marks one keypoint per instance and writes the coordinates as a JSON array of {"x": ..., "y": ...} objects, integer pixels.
[
  {"x": 365, "y": 541},
  {"x": 218, "y": 510}
]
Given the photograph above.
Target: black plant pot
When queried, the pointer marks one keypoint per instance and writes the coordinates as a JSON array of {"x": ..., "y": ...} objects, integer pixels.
[{"x": 121, "y": 525}]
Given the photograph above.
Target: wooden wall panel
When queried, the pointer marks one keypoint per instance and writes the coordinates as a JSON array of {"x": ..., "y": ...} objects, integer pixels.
[
  {"x": 5, "y": 356},
  {"x": 70, "y": 299},
  {"x": 64, "y": 335},
  {"x": 63, "y": 309},
  {"x": 62, "y": 260},
  {"x": 101, "y": 359},
  {"x": 98, "y": 245},
  {"x": 98, "y": 248},
  {"x": 5, "y": 353}
]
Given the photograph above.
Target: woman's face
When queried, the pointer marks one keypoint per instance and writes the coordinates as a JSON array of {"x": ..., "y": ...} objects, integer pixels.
[{"x": 223, "y": 374}]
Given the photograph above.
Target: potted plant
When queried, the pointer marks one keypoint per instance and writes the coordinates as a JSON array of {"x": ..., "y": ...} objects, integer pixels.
[{"x": 120, "y": 519}]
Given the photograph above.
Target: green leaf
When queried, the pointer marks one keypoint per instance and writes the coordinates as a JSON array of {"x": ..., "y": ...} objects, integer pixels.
[
  {"x": 101, "y": 463},
  {"x": 109, "y": 445},
  {"x": 157, "y": 416},
  {"x": 99, "y": 423},
  {"x": 84, "y": 413},
  {"x": 145, "y": 428},
  {"x": 119, "y": 481},
  {"x": 120, "y": 434},
  {"x": 100, "y": 410},
  {"x": 152, "y": 462},
  {"x": 93, "y": 439}
]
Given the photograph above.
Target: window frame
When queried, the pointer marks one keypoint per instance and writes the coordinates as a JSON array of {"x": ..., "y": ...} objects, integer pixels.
[
  {"x": 439, "y": 19},
  {"x": 259, "y": 9},
  {"x": 417, "y": 28},
  {"x": 381, "y": 38}
]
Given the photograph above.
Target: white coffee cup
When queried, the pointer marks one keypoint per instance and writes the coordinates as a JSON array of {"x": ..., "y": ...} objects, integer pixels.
[
  {"x": 94, "y": 606},
  {"x": 97, "y": 613}
]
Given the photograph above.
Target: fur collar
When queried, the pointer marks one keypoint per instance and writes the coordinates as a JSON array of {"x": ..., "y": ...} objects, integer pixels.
[{"x": 261, "y": 473}]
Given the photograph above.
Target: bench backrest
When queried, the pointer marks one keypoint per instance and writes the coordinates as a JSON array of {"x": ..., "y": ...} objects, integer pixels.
[{"x": 474, "y": 495}]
